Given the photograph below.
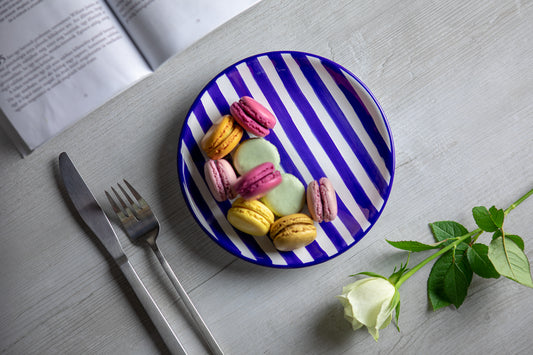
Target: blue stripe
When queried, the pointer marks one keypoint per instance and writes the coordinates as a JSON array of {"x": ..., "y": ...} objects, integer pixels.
[
  {"x": 345, "y": 128},
  {"x": 347, "y": 219},
  {"x": 315, "y": 250},
  {"x": 242, "y": 90},
  {"x": 249, "y": 241},
  {"x": 322, "y": 136},
  {"x": 237, "y": 82},
  {"x": 291, "y": 258},
  {"x": 293, "y": 134},
  {"x": 362, "y": 113},
  {"x": 313, "y": 69},
  {"x": 202, "y": 117},
  {"x": 218, "y": 99},
  {"x": 207, "y": 215}
]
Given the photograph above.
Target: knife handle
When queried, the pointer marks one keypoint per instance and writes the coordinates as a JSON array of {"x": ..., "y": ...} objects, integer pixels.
[{"x": 157, "y": 317}]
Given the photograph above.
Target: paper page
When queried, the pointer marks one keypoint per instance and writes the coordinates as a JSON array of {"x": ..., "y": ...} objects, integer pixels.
[
  {"x": 162, "y": 28},
  {"x": 59, "y": 60}
]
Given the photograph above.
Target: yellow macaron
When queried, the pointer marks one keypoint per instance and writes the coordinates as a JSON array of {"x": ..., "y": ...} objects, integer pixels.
[
  {"x": 250, "y": 216},
  {"x": 292, "y": 232},
  {"x": 222, "y": 137}
]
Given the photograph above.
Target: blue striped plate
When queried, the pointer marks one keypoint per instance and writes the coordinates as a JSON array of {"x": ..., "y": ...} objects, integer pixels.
[{"x": 329, "y": 124}]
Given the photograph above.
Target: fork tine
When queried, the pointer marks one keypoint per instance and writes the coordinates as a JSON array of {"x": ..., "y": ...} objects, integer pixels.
[
  {"x": 124, "y": 214},
  {"x": 112, "y": 203},
  {"x": 126, "y": 210},
  {"x": 130, "y": 200},
  {"x": 135, "y": 208},
  {"x": 133, "y": 191}
]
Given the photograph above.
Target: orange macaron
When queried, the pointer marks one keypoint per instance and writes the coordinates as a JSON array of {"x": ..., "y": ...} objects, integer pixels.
[{"x": 221, "y": 138}]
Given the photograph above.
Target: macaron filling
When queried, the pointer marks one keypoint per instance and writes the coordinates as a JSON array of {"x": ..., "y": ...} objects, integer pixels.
[
  {"x": 322, "y": 200},
  {"x": 251, "y": 217},
  {"x": 329, "y": 200},
  {"x": 220, "y": 129},
  {"x": 227, "y": 181},
  {"x": 258, "y": 181},
  {"x": 292, "y": 232},
  {"x": 252, "y": 116},
  {"x": 258, "y": 112},
  {"x": 314, "y": 201},
  {"x": 220, "y": 177},
  {"x": 222, "y": 137}
]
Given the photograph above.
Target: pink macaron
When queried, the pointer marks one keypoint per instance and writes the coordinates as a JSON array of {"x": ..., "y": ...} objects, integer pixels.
[
  {"x": 252, "y": 116},
  {"x": 220, "y": 177},
  {"x": 258, "y": 181},
  {"x": 322, "y": 200}
]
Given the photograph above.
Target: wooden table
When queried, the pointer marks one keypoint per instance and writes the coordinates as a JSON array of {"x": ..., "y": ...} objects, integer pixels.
[{"x": 455, "y": 81}]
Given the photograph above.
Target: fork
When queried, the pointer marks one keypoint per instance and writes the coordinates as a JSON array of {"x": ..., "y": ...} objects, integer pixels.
[{"x": 141, "y": 224}]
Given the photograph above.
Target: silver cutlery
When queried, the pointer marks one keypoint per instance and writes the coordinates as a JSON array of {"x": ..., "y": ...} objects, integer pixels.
[
  {"x": 141, "y": 225},
  {"x": 95, "y": 218}
]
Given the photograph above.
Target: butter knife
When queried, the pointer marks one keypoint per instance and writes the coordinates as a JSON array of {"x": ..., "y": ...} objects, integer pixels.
[{"x": 95, "y": 218}]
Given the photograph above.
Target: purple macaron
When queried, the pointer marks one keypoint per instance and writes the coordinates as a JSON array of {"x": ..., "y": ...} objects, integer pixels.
[
  {"x": 220, "y": 177},
  {"x": 322, "y": 200},
  {"x": 258, "y": 181},
  {"x": 252, "y": 116}
]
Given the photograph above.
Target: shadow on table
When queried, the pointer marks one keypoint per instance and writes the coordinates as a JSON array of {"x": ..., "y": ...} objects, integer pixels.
[
  {"x": 117, "y": 274},
  {"x": 175, "y": 212},
  {"x": 333, "y": 332}
]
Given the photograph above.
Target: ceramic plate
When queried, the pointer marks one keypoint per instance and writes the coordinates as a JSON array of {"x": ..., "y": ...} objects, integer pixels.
[{"x": 329, "y": 124}]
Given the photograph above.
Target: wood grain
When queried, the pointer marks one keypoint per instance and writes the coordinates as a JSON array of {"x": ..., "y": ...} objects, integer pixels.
[{"x": 455, "y": 81}]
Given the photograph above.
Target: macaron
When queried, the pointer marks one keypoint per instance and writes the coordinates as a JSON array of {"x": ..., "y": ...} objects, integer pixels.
[
  {"x": 220, "y": 177},
  {"x": 292, "y": 232},
  {"x": 286, "y": 198},
  {"x": 250, "y": 216},
  {"x": 252, "y": 116},
  {"x": 258, "y": 181},
  {"x": 322, "y": 200},
  {"x": 252, "y": 152},
  {"x": 222, "y": 137}
]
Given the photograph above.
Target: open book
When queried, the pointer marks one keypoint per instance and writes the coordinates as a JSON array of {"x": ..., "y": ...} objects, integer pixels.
[{"x": 60, "y": 60}]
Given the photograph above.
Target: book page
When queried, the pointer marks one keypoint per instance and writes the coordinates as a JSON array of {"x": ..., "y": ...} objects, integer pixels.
[
  {"x": 162, "y": 28},
  {"x": 59, "y": 60}
]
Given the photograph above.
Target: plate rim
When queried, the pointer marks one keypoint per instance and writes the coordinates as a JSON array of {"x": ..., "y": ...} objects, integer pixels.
[{"x": 179, "y": 160}]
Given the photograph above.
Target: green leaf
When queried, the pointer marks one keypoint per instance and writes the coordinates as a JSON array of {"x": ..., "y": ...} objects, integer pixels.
[
  {"x": 397, "y": 274},
  {"x": 457, "y": 279},
  {"x": 515, "y": 238},
  {"x": 436, "y": 286},
  {"x": 414, "y": 246},
  {"x": 371, "y": 274},
  {"x": 483, "y": 219},
  {"x": 510, "y": 261},
  {"x": 444, "y": 230},
  {"x": 497, "y": 234},
  {"x": 497, "y": 216},
  {"x": 479, "y": 261},
  {"x": 397, "y": 315},
  {"x": 394, "y": 301}
]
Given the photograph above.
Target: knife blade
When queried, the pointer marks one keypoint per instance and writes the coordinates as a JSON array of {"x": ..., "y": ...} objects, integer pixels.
[{"x": 94, "y": 217}]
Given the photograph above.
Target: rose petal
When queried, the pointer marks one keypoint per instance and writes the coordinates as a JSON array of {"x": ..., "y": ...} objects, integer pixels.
[{"x": 369, "y": 299}]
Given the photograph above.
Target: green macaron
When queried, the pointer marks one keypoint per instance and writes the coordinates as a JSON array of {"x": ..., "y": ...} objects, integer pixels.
[
  {"x": 286, "y": 198},
  {"x": 252, "y": 152}
]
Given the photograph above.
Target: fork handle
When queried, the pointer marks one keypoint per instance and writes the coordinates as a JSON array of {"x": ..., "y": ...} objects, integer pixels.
[
  {"x": 206, "y": 333},
  {"x": 165, "y": 330}
]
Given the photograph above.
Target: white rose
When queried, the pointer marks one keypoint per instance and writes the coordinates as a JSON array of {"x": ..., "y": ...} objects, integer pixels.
[{"x": 368, "y": 302}]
